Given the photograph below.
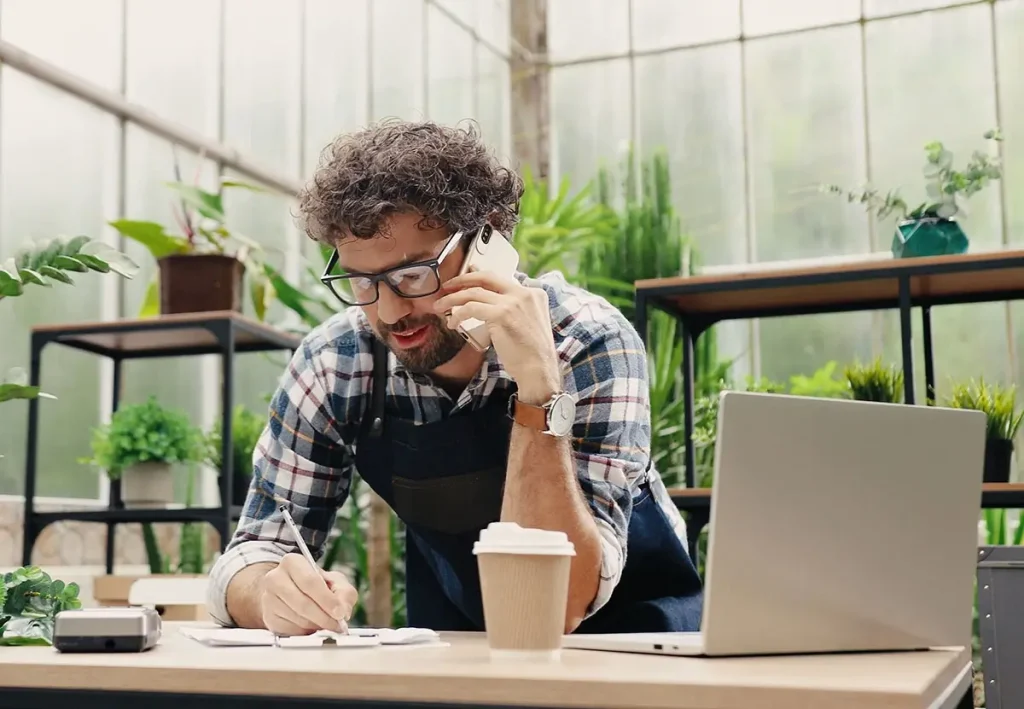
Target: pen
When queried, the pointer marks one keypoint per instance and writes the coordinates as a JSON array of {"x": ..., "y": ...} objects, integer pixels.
[{"x": 304, "y": 549}]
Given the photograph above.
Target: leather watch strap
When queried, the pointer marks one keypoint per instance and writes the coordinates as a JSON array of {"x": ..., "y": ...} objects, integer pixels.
[{"x": 528, "y": 415}]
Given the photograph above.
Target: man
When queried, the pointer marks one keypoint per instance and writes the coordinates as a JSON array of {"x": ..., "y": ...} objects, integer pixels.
[{"x": 452, "y": 438}]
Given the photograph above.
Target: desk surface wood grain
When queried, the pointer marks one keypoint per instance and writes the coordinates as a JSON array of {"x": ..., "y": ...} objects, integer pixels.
[{"x": 464, "y": 672}]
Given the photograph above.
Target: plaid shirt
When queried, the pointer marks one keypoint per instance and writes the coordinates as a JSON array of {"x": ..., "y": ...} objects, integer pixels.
[{"x": 305, "y": 455}]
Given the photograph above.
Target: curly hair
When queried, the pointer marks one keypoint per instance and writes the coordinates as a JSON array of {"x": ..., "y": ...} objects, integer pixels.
[{"x": 446, "y": 174}]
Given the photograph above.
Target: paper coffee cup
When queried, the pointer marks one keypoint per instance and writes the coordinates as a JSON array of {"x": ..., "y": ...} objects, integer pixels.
[{"x": 524, "y": 580}]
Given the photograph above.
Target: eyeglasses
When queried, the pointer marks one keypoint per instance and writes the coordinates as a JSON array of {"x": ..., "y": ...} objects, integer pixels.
[{"x": 411, "y": 280}]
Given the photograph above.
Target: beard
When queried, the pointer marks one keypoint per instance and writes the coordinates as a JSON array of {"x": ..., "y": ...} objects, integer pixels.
[{"x": 440, "y": 346}]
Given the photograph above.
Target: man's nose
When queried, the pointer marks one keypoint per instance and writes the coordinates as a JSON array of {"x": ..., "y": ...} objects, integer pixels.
[{"x": 391, "y": 307}]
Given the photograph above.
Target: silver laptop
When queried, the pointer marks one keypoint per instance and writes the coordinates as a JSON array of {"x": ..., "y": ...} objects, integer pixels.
[{"x": 836, "y": 526}]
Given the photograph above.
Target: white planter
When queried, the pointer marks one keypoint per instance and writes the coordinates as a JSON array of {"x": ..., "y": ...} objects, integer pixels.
[{"x": 147, "y": 485}]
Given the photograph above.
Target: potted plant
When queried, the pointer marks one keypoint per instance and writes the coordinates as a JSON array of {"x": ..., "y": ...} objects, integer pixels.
[
  {"x": 201, "y": 265},
  {"x": 999, "y": 405},
  {"x": 930, "y": 229},
  {"x": 875, "y": 382},
  {"x": 44, "y": 264},
  {"x": 246, "y": 428},
  {"x": 139, "y": 446}
]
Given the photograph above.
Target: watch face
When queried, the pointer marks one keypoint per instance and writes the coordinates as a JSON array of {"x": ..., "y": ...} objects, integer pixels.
[{"x": 562, "y": 415}]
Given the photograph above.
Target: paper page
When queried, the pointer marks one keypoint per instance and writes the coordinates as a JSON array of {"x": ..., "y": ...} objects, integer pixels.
[{"x": 356, "y": 637}]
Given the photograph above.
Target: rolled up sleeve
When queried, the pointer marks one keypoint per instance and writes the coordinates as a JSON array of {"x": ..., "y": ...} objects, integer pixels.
[
  {"x": 612, "y": 436},
  {"x": 300, "y": 461}
]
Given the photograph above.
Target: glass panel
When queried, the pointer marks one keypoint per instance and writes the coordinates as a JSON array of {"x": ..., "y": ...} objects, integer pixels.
[
  {"x": 1009, "y": 39},
  {"x": 398, "y": 59},
  {"x": 805, "y": 120},
  {"x": 881, "y": 8},
  {"x": 806, "y": 128},
  {"x": 769, "y": 16},
  {"x": 492, "y": 100},
  {"x": 262, "y": 85},
  {"x": 449, "y": 69},
  {"x": 58, "y": 175},
  {"x": 182, "y": 87},
  {"x": 702, "y": 124},
  {"x": 699, "y": 124},
  {"x": 587, "y": 28},
  {"x": 658, "y": 24},
  {"x": 465, "y": 10},
  {"x": 590, "y": 118},
  {"x": 492, "y": 23},
  {"x": 904, "y": 114},
  {"x": 337, "y": 84}
]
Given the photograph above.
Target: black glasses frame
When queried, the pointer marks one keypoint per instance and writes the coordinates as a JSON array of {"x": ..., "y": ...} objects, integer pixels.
[{"x": 375, "y": 278}]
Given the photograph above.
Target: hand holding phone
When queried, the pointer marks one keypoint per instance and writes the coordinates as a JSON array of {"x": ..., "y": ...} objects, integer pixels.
[{"x": 490, "y": 251}]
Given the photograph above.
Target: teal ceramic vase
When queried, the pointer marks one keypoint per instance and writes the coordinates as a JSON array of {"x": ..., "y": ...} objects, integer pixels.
[{"x": 928, "y": 236}]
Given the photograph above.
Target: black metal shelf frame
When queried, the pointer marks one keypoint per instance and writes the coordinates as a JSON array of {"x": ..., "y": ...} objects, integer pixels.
[
  {"x": 692, "y": 325},
  {"x": 225, "y": 329}
]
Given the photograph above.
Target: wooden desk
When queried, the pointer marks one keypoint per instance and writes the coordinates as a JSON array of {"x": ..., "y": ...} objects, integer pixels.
[{"x": 182, "y": 670}]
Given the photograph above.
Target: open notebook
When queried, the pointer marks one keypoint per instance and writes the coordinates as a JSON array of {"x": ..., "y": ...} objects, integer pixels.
[{"x": 356, "y": 637}]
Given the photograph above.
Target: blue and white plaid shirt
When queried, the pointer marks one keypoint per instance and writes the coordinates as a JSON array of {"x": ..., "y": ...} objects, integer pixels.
[{"x": 306, "y": 454}]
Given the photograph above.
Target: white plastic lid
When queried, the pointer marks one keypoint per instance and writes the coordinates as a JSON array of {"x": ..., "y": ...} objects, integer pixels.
[{"x": 510, "y": 538}]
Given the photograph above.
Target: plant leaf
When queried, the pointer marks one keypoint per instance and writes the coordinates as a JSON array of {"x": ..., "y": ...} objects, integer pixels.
[
  {"x": 56, "y": 274},
  {"x": 30, "y": 276},
  {"x": 69, "y": 263},
  {"x": 150, "y": 307},
  {"x": 75, "y": 245},
  {"x": 241, "y": 184},
  {"x": 94, "y": 262},
  {"x": 10, "y": 392},
  {"x": 152, "y": 236},
  {"x": 209, "y": 204}
]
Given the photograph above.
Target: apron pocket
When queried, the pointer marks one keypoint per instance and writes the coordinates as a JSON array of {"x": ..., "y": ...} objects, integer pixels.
[{"x": 454, "y": 504}]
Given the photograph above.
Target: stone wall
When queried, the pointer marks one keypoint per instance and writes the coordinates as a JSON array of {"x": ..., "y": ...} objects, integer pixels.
[{"x": 82, "y": 543}]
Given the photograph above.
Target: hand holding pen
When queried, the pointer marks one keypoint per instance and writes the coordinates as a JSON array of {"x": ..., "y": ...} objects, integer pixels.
[{"x": 300, "y": 598}]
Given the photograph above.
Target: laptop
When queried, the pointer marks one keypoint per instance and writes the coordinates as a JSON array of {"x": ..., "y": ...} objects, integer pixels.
[{"x": 836, "y": 526}]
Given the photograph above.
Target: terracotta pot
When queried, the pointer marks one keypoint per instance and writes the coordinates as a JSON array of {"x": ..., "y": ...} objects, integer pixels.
[
  {"x": 147, "y": 485},
  {"x": 200, "y": 283}
]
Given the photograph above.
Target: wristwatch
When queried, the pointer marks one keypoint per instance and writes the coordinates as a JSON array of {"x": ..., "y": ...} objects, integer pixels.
[{"x": 555, "y": 417}]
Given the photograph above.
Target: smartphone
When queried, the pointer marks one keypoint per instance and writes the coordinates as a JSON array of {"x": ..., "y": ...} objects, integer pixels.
[{"x": 489, "y": 250}]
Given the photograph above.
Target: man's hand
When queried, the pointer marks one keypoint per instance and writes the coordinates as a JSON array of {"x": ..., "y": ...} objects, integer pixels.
[
  {"x": 295, "y": 600},
  {"x": 519, "y": 322}
]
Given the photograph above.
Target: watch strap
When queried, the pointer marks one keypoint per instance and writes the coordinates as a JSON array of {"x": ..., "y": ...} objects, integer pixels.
[{"x": 528, "y": 415}]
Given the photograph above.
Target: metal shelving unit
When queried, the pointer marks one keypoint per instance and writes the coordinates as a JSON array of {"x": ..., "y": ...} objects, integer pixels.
[
  {"x": 699, "y": 302},
  {"x": 184, "y": 335}
]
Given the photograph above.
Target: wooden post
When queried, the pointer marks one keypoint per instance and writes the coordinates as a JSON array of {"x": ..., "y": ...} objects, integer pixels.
[
  {"x": 530, "y": 99},
  {"x": 378, "y": 564}
]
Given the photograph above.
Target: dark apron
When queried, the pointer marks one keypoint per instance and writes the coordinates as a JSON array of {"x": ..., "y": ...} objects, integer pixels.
[{"x": 445, "y": 481}]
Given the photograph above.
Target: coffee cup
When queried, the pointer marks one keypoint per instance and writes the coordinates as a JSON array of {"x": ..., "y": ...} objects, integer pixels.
[{"x": 524, "y": 581}]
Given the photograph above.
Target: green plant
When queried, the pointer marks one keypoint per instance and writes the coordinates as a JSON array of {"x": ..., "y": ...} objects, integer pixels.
[
  {"x": 947, "y": 188},
  {"x": 875, "y": 382},
  {"x": 201, "y": 229},
  {"x": 29, "y": 602},
  {"x": 998, "y": 403},
  {"x": 553, "y": 231},
  {"x": 145, "y": 433},
  {"x": 246, "y": 428},
  {"x": 823, "y": 382},
  {"x": 705, "y": 424},
  {"x": 43, "y": 264}
]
